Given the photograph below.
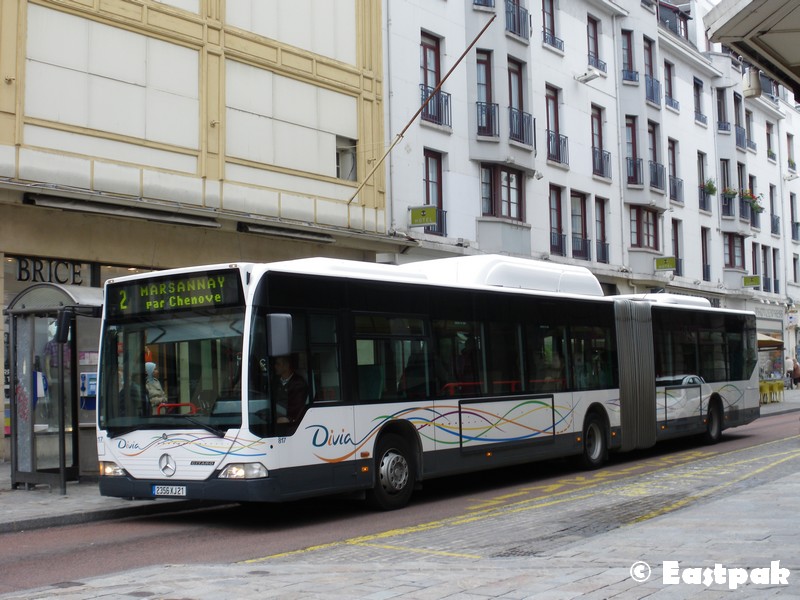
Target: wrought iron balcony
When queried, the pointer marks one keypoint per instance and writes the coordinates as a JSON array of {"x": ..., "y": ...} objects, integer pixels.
[
  {"x": 796, "y": 232},
  {"x": 706, "y": 272},
  {"x": 557, "y": 147},
  {"x": 602, "y": 252},
  {"x": 581, "y": 248},
  {"x": 700, "y": 118},
  {"x": 487, "y": 3},
  {"x": 672, "y": 103},
  {"x": 558, "y": 243},
  {"x": 517, "y": 21},
  {"x": 704, "y": 199},
  {"x": 652, "y": 89},
  {"x": 594, "y": 61},
  {"x": 601, "y": 162},
  {"x": 657, "y": 176},
  {"x": 675, "y": 189},
  {"x": 520, "y": 126},
  {"x": 488, "y": 121},
  {"x": 741, "y": 137},
  {"x": 723, "y": 126},
  {"x": 775, "y": 224},
  {"x": 441, "y": 223},
  {"x": 635, "y": 175},
  {"x": 438, "y": 109},
  {"x": 630, "y": 75},
  {"x": 745, "y": 210},
  {"x": 549, "y": 38}
]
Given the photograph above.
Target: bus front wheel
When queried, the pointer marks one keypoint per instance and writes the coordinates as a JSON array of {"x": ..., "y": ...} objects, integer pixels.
[
  {"x": 713, "y": 423},
  {"x": 595, "y": 447},
  {"x": 394, "y": 473}
]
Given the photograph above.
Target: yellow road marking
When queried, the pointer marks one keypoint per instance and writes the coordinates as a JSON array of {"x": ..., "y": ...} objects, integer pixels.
[{"x": 494, "y": 507}]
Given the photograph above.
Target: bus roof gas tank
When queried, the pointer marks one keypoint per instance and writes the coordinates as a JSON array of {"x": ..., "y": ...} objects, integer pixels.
[{"x": 509, "y": 272}]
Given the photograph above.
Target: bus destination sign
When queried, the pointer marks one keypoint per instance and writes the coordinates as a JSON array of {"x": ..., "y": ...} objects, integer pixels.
[{"x": 186, "y": 291}]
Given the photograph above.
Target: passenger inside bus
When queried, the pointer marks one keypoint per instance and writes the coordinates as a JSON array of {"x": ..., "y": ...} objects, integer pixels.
[
  {"x": 290, "y": 390},
  {"x": 155, "y": 392}
]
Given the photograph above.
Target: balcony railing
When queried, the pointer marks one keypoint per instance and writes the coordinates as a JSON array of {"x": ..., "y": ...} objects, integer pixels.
[
  {"x": 766, "y": 283},
  {"x": 438, "y": 109},
  {"x": 557, "y": 147},
  {"x": 652, "y": 89},
  {"x": 549, "y": 38},
  {"x": 517, "y": 21},
  {"x": 745, "y": 210},
  {"x": 755, "y": 219},
  {"x": 723, "y": 126},
  {"x": 704, "y": 199},
  {"x": 796, "y": 232},
  {"x": 487, "y": 3},
  {"x": 581, "y": 248},
  {"x": 520, "y": 126},
  {"x": 594, "y": 61},
  {"x": 601, "y": 162},
  {"x": 706, "y": 272},
  {"x": 700, "y": 118},
  {"x": 672, "y": 103},
  {"x": 635, "y": 175},
  {"x": 741, "y": 137},
  {"x": 602, "y": 252},
  {"x": 441, "y": 224},
  {"x": 558, "y": 243},
  {"x": 675, "y": 189},
  {"x": 775, "y": 224},
  {"x": 630, "y": 75},
  {"x": 751, "y": 145},
  {"x": 488, "y": 122},
  {"x": 657, "y": 176}
]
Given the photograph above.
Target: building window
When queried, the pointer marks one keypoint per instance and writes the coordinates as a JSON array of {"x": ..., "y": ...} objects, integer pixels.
[
  {"x": 556, "y": 143},
  {"x": 677, "y": 246},
  {"x": 502, "y": 192},
  {"x": 600, "y": 229},
  {"x": 697, "y": 96},
  {"x": 557, "y": 238},
  {"x": 520, "y": 122},
  {"x": 486, "y": 109},
  {"x": 733, "y": 251},
  {"x": 549, "y": 25},
  {"x": 437, "y": 109},
  {"x": 705, "y": 241},
  {"x": 770, "y": 141},
  {"x": 669, "y": 86},
  {"x": 580, "y": 242},
  {"x": 601, "y": 159},
  {"x": 593, "y": 43},
  {"x": 644, "y": 228},
  {"x": 432, "y": 180},
  {"x": 634, "y": 163}
]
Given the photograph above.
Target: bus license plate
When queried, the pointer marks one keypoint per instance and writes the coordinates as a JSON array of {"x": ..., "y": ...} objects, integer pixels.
[{"x": 169, "y": 490}]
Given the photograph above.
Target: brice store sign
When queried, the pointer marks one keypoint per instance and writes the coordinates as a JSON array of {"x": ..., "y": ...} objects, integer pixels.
[{"x": 49, "y": 270}]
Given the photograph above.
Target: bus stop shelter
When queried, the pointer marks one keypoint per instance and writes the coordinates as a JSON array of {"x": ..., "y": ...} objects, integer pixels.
[{"x": 54, "y": 333}]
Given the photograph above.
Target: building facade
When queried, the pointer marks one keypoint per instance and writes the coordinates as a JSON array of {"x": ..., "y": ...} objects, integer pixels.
[
  {"x": 598, "y": 132},
  {"x": 144, "y": 134}
]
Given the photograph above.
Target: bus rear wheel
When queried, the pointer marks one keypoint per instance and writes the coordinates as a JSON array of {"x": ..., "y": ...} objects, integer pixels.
[
  {"x": 595, "y": 447},
  {"x": 394, "y": 473}
]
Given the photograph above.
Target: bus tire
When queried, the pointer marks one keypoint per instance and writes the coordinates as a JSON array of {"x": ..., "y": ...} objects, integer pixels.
[
  {"x": 395, "y": 473},
  {"x": 713, "y": 423},
  {"x": 595, "y": 445}
]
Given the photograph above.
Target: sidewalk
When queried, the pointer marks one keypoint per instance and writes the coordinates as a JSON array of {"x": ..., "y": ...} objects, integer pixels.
[{"x": 41, "y": 507}]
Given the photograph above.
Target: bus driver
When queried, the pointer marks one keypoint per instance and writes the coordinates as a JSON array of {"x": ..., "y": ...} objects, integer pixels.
[{"x": 290, "y": 389}]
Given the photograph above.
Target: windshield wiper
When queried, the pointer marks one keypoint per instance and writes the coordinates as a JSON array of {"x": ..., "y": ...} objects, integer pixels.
[{"x": 210, "y": 428}]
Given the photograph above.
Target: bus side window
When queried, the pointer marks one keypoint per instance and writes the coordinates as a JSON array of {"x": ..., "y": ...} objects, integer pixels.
[{"x": 324, "y": 361}]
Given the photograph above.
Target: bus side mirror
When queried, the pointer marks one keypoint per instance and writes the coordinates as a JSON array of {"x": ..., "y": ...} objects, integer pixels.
[
  {"x": 63, "y": 323},
  {"x": 279, "y": 340}
]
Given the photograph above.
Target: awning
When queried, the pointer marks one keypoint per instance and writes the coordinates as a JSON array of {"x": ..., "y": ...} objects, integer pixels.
[{"x": 768, "y": 342}]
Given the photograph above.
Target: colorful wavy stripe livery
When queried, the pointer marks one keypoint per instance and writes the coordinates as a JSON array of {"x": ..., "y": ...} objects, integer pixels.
[
  {"x": 487, "y": 427},
  {"x": 205, "y": 445}
]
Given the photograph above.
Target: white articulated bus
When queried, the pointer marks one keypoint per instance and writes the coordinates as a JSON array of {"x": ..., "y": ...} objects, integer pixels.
[{"x": 319, "y": 376}]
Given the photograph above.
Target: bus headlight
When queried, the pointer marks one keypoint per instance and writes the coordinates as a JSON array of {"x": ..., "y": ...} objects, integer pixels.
[
  {"x": 244, "y": 471},
  {"x": 111, "y": 469}
]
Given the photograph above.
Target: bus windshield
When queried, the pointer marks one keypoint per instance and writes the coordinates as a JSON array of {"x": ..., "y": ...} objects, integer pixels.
[{"x": 179, "y": 370}]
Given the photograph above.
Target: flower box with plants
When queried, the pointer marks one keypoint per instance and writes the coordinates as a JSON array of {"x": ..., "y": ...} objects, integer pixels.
[
  {"x": 709, "y": 187},
  {"x": 753, "y": 200},
  {"x": 729, "y": 192}
]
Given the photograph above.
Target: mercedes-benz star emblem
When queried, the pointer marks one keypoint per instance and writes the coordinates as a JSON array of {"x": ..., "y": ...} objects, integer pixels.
[{"x": 167, "y": 465}]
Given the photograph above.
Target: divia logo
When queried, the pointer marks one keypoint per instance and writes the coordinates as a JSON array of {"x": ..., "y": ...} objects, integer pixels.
[{"x": 322, "y": 436}]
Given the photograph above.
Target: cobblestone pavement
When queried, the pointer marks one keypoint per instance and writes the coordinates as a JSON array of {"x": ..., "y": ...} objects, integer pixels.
[{"x": 546, "y": 551}]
